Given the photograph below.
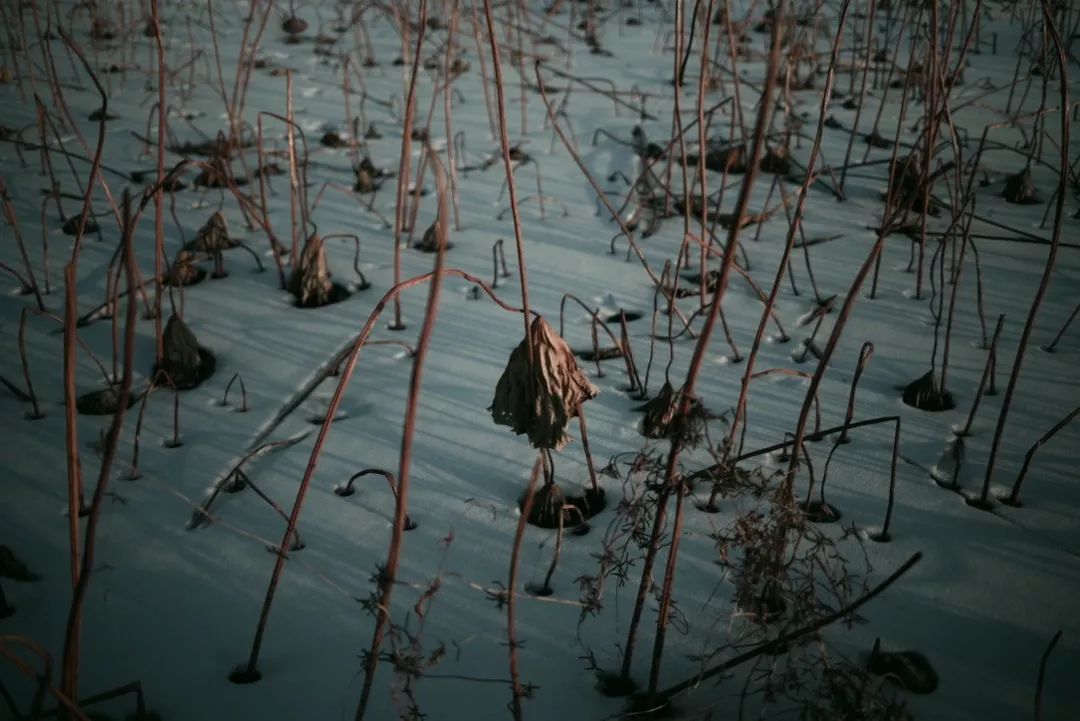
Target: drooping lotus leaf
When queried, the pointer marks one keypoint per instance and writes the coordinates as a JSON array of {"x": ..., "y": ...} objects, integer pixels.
[
  {"x": 181, "y": 359},
  {"x": 183, "y": 270},
  {"x": 540, "y": 398},
  {"x": 663, "y": 420},
  {"x": 310, "y": 282},
  {"x": 1020, "y": 189},
  {"x": 214, "y": 236},
  {"x": 13, "y": 567},
  {"x": 925, "y": 393},
  {"x": 430, "y": 242}
]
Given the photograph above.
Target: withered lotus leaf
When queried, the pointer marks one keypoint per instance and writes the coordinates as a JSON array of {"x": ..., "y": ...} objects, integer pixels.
[
  {"x": 310, "y": 282},
  {"x": 540, "y": 398}
]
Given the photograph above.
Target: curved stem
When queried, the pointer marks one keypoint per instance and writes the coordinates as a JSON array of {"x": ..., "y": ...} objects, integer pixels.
[
  {"x": 388, "y": 574},
  {"x": 504, "y": 142},
  {"x": 1044, "y": 283},
  {"x": 511, "y": 633}
]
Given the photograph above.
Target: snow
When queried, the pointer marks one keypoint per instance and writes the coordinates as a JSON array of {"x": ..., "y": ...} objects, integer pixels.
[{"x": 176, "y": 608}]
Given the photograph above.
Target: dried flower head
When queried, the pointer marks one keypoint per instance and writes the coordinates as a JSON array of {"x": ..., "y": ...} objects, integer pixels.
[{"x": 540, "y": 397}]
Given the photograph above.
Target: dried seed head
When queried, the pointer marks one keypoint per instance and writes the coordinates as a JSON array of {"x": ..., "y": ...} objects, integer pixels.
[{"x": 539, "y": 398}]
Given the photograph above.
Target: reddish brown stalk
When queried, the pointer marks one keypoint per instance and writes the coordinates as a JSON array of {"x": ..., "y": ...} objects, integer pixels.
[
  {"x": 161, "y": 375},
  {"x": 1042, "y": 675},
  {"x": 229, "y": 103},
  {"x": 26, "y": 364},
  {"x": 9, "y": 215},
  {"x": 667, "y": 590},
  {"x": 43, "y": 679},
  {"x": 930, "y": 138},
  {"x": 388, "y": 574},
  {"x": 250, "y": 673},
  {"x": 95, "y": 164},
  {"x": 585, "y": 448},
  {"x": 893, "y": 191},
  {"x": 483, "y": 71},
  {"x": 865, "y": 353},
  {"x": 677, "y": 131},
  {"x": 352, "y": 130},
  {"x": 246, "y": 60},
  {"x": 451, "y": 163},
  {"x": 511, "y": 590},
  {"x": 294, "y": 176},
  {"x": 867, "y": 61},
  {"x": 701, "y": 141},
  {"x": 72, "y": 645},
  {"x": 504, "y": 142},
  {"x": 243, "y": 393},
  {"x": 73, "y": 47},
  {"x": 74, "y": 466},
  {"x": 1014, "y": 496},
  {"x": 841, "y": 320},
  {"x": 264, "y": 207},
  {"x": 406, "y": 147},
  {"x": 603, "y": 197},
  {"x": 159, "y": 216},
  {"x": 793, "y": 229},
  {"x": 826, "y": 356},
  {"x": 987, "y": 373},
  {"x": 594, "y": 314},
  {"x": 347, "y": 489},
  {"x": 1044, "y": 283},
  {"x": 955, "y": 279},
  {"x": 1049, "y": 349},
  {"x": 673, "y": 483}
]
